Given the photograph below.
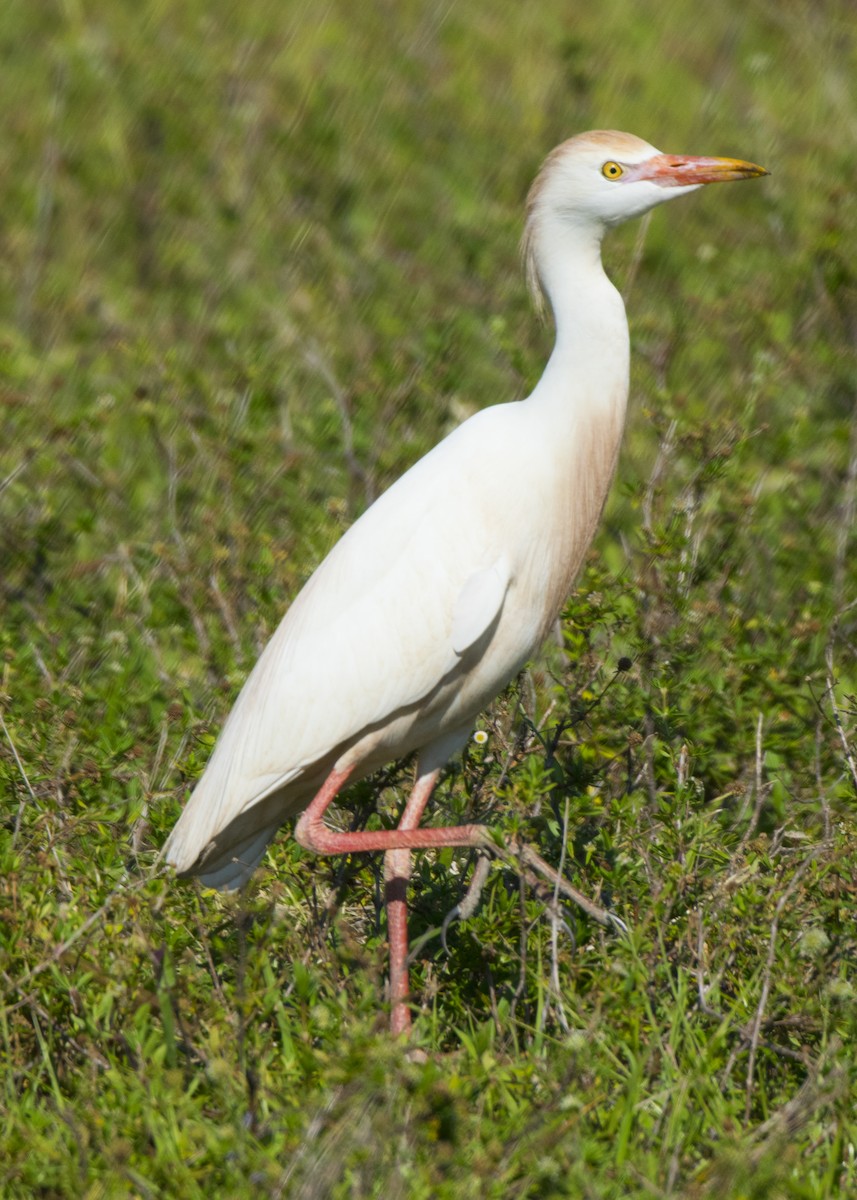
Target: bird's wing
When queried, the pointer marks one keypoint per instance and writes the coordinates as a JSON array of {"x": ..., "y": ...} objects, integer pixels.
[
  {"x": 479, "y": 603},
  {"x": 381, "y": 623}
]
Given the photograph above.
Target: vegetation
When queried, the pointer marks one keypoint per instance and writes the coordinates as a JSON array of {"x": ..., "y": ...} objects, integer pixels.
[{"x": 256, "y": 259}]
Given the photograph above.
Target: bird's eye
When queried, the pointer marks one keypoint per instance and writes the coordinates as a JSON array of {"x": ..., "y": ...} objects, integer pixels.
[{"x": 612, "y": 170}]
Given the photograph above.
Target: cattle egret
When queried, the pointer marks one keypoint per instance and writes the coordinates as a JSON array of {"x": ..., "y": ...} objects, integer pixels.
[{"x": 440, "y": 593}]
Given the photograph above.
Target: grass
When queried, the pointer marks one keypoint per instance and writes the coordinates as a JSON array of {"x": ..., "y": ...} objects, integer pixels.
[{"x": 255, "y": 261}]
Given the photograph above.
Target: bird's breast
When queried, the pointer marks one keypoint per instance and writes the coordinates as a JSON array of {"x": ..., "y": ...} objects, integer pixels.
[{"x": 570, "y": 491}]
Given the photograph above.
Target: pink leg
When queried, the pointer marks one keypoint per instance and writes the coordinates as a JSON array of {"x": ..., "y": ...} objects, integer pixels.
[
  {"x": 314, "y": 835},
  {"x": 397, "y": 872}
]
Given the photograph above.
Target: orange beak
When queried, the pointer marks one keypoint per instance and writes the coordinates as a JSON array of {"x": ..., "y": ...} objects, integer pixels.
[{"x": 685, "y": 170}]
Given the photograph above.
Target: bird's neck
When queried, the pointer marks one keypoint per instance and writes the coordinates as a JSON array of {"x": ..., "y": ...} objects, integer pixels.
[{"x": 588, "y": 369}]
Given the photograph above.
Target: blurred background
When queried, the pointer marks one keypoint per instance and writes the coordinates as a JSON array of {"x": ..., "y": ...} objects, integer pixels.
[{"x": 254, "y": 261}]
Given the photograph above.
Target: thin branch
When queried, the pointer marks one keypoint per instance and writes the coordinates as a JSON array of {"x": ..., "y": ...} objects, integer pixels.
[
  {"x": 756, "y": 1027},
  {"x": 533, "y": 868},
  {"x": 25, "y": 778},
  {"x": 555, "y": 923},
  {"x": 761, "y": 789},
  {"x": 665, "y": 453},
  {"x": 840, "y": 729},
  {"x": 227, "y": 615}
]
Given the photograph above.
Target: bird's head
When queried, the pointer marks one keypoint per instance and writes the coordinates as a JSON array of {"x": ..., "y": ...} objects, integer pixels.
[{"x": 602, "y": 178}]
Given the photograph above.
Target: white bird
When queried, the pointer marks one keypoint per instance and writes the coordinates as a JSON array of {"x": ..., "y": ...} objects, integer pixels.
[{"x": 445, "y": 587}]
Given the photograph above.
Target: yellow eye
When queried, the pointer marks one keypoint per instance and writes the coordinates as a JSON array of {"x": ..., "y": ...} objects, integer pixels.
[{"x": 612, "y": 170}]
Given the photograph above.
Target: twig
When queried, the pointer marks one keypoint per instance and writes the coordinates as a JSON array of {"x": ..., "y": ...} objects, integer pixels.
[
  {"x": 467, "y": 907},
  {"x": 813, "y": 1093},
  {"x": 555, "y": 923},
  {"x": 756, "y": 1027},
  {"x": 743, "y": 1034},
  {"x": 665, "y": 452},
  {"x": 13, "y": 474},
  {"x": 681, "y": 773},
  {"x": 761, "y": 789},
  {"x": 532, "y": 867},
  {"x": 849, "y": 757},
  {"x": 29, "y": 787},
  {"x": 42, "y": 665},
  {"x": 226, "y": 614},
  {"x": 522, "y": 947},
  {"x": 819, "y": 783}
]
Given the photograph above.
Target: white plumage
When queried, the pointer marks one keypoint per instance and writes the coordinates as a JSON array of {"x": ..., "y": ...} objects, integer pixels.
[{"x": 447, "y": 585}]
